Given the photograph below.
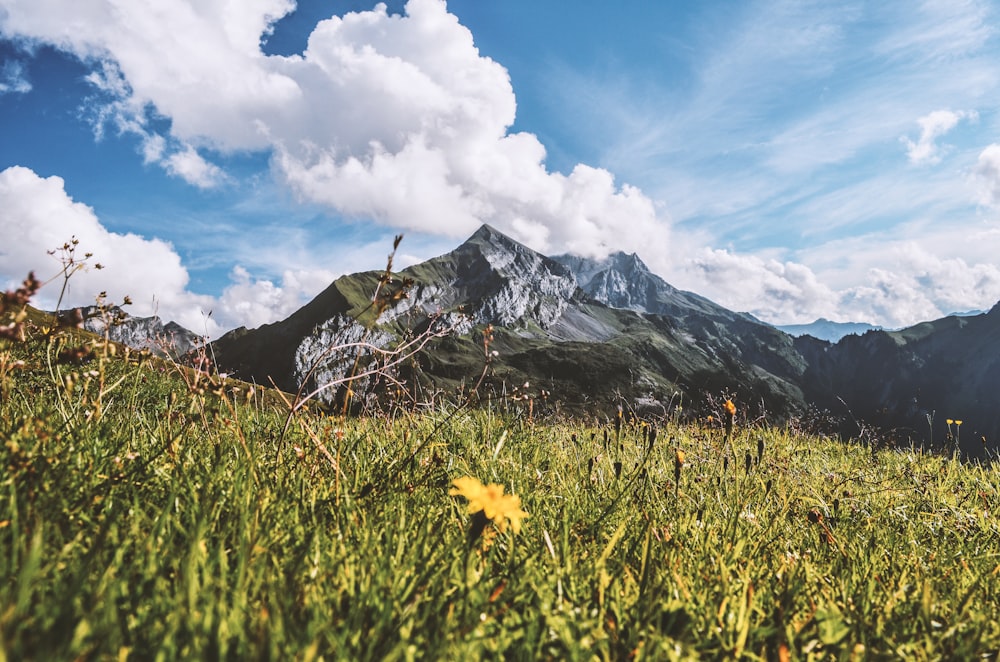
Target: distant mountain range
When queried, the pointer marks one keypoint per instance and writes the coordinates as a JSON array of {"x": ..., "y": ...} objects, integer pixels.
[
  {"x": 824, "y": 329},
  {"x": 588, "y": 335}
]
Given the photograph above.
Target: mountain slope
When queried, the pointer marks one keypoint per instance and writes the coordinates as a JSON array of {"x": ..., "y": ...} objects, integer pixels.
[
  {"x": 892, "y": 379},
  {"x": 947, "y": 368},
  {"x": 547, "y": 331},
  {"x": 624, "y": 281}
]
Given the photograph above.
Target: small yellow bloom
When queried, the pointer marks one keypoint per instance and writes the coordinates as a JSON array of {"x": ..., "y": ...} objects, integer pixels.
[
  {"x": 958, "y": 422},
  {"x": 490, "y": 499},
  {"x": 730, "y": 408},
  {"x": 949, "y": 421}
]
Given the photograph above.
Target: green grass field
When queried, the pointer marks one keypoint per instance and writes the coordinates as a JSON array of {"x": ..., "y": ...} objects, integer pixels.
[{"x": 148, "y": 512}]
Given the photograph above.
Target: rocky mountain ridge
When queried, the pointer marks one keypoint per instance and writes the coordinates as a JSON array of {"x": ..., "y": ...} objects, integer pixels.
[
  {"x": 623, "y": 281},
  {"x": 168, "y": 340},
  {"x": 547, "y": 330}
]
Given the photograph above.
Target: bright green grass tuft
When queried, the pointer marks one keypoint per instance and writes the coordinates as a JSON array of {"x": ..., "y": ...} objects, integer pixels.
[{"x": 149, "y": 513}]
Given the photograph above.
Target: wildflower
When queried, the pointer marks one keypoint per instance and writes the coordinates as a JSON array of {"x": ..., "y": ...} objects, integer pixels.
[
  {"x": 491, "y": 502},
  {"x": 730, "y": 409}
]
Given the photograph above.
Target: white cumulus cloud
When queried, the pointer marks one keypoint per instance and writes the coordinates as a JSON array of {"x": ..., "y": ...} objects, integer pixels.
[
  {"x": 394, "y": 118},
  {"x": 192, "y": 168},
  {"x": 251, "y": 302},
  {"x": 771, "y": 290}
]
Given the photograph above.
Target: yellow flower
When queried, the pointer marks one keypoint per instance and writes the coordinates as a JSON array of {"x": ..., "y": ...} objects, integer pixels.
[
  {"x": 949, "y": 421},
  {"x": 490, "y": 499},
  {"x": 958, "y": 422},
  {"x": 730, "y": 408}
]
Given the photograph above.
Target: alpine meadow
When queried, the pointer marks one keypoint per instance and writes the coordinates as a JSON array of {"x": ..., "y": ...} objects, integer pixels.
[{"x": 159, "y": 510}]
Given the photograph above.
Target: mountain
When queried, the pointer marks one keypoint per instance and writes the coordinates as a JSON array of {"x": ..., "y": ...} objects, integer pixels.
[
  {"x": 548, "y": 331},
  {"x": 944, "y": 369},
  {"x": 824, "y": 329},
  {"x": 169, "y": 340},
  {"x": 623, "y": 281},
  {"x": 589, "y": 335}
]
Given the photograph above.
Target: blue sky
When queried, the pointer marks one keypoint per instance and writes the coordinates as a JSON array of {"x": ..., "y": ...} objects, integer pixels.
[{"x": 791, "y": 159}]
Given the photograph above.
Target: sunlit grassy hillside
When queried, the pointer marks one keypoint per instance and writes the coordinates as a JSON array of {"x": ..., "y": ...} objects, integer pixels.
[{"x": 152, "y": 513}]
